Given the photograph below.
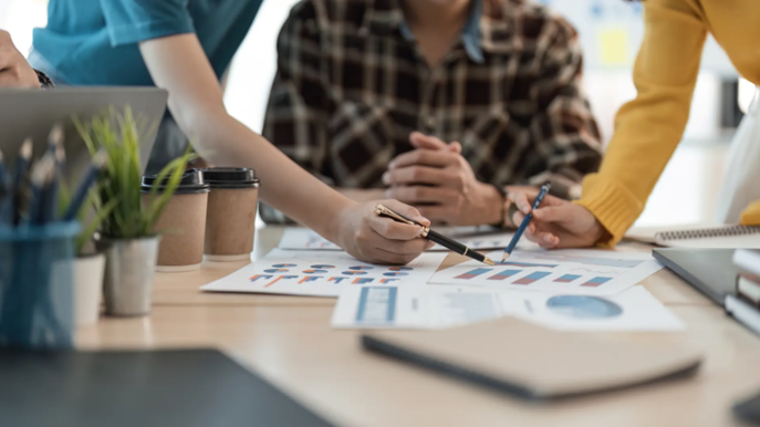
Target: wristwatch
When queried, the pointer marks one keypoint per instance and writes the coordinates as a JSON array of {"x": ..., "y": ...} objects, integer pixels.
[
  {"x": 45, "y": 81},
  {"x": 503, "y": 223}
]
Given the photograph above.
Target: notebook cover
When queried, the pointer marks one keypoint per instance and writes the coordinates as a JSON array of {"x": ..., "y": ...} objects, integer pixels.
[
  {"x": 530, "y": 362},
  {"x": 179, "y": 388}
]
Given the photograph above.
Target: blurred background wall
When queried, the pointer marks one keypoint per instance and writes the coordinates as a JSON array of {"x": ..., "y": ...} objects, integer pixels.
[{"x": 610, "y": 32}]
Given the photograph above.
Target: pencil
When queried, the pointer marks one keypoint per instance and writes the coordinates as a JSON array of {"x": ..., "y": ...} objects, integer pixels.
[
  {"x": 434, "y": 236},
  {"x": 521, "y": 229},
  {"x": 98, "y": 163},
  {"x": 18, "y": 198}
]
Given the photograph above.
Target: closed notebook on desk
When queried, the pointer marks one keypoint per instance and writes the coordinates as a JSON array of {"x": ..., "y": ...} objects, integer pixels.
[{"x": 535, "y": 363}]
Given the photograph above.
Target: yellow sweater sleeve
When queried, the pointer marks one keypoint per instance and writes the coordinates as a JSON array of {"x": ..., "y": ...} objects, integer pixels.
[
  {"x": 751, "y": 215},
  {"x": 648, "y": 129}
]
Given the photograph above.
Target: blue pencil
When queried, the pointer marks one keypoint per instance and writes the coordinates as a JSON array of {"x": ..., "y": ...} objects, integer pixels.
[
  {"x": 18, "y": 200},
  {"x": 98, "y": 163},
  {"x": 521, "y": 229}
]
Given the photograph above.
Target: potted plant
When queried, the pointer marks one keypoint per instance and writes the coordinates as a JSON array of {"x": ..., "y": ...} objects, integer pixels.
[
  {"x": 89, "y": 265},
  {"x": 126, "y": 232}
]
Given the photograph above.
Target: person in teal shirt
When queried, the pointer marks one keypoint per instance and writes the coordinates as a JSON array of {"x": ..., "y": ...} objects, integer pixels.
[
  {"x": 185, "y": 46},
  {"x": 94, "y": 42}
]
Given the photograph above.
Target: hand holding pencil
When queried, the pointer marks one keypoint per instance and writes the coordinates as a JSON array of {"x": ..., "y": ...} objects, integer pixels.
[{"x": 557, "y": 223}]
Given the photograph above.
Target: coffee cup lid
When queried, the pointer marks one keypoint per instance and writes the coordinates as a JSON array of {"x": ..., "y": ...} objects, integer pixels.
[
  {"x": 231, "y": 177},
  {"x": 192, "y": 182}
]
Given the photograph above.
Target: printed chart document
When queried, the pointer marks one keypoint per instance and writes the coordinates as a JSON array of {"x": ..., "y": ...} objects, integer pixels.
[
  {"x": 321, "y": 273},
  {"x": 585, "y": 272},
  {"x": 304, "y": 238},
  {"x": 444, "y": 306}
]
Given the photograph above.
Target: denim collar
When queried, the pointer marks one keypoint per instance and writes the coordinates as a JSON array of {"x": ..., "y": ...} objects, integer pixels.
[{"x": 387, "y": 14}]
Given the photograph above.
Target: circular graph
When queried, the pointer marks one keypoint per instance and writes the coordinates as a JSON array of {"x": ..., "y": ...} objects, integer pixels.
[
  {"x": 321, "y": 266},
  {"x": 395, "y": 274},
  {"x": 361, "y": 267},
  {"x": 401, "y": 269},
  {"x": 283, "y": 265},
  {"x": 583, "y": 307},
  {"x": 354, "y": 273},
  {"x": 314, "y": 271},
  {"x": 276, "y": 270}
]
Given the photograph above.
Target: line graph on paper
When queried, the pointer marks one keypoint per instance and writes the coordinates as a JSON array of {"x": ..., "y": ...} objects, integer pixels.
[{"x": 574, "y": 272}]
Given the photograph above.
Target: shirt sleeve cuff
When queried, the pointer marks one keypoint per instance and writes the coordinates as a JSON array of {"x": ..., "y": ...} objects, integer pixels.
[
  {"x": 612, "y": 204},
  {"x": 130, "y": 34}
]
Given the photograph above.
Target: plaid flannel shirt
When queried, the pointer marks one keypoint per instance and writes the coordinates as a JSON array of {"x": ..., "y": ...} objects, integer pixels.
[{"x": 351, "y": 86}]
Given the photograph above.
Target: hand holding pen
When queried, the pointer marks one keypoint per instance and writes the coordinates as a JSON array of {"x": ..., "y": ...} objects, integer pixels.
[
  {"x": 557, "y": 223},
  {"x": 433, "y": 236}
]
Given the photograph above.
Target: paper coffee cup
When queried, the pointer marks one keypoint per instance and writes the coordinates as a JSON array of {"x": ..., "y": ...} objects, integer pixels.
[
  {"x": 183, "y": 222},
  {"x": 231, "y": 220}
]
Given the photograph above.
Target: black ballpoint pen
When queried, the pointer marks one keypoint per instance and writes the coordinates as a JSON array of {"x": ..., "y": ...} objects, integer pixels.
[{"x": 434, "y": 236}]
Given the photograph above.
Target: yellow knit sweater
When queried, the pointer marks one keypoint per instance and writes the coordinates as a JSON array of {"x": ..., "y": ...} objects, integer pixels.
[{"x": 648, "y": 129}]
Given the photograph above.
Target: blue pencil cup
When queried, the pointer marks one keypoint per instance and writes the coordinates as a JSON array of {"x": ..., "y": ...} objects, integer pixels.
[{"x": 36, "y": 290}]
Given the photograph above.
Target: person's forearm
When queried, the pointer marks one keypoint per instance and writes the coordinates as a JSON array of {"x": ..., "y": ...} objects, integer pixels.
[
  {"x": 284, "y": 185},
  {"x": 363, "y": 195}
]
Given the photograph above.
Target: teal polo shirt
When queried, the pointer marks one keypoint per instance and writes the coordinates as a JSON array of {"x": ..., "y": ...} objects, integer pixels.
[{"x": 95, "y": 42}]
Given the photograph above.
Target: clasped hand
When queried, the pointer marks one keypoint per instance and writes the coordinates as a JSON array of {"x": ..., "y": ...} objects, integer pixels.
[{"x": 439, "y": 182}]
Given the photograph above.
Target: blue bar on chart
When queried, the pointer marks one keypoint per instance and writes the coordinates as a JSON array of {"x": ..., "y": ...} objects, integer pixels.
[
  {"x": 473, "y": 273},
  {"x": 504, "y": 275},
  {"x": 567, "y": 278},
  {"x": 596, "y": 281},
  {"x": 532, "y": 277},
  {"x": 377, "y": 305}
]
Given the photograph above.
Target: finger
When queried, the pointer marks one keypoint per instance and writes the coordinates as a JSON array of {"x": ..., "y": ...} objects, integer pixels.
[
  {"x": 455, "y": 147},
  {"x": 438, "y": 159},
  {"x": 401, "y": 247},
  {"x": 390, "y": 229},
  {"x": 436, "y": 213},
  {"x": 522, "y": 202},
  {"x": 552, "y": 213},
  {"x": 386, "y": 257},
  {"x": 427, "y": 142},
  {"x": 407, "y": 211},
  {"x": 416, "y": 194},
  {"x": 417, "y": 175}
]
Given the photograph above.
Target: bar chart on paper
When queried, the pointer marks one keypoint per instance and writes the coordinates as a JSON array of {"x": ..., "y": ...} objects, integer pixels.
[
  {"x": 305, "y": 239},
  {"x": 567, "y": 271},
  {"x": 321, "y": 273}
]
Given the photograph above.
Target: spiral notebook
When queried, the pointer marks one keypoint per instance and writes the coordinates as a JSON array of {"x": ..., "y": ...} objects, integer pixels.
[{"x": 715, "y": 237}]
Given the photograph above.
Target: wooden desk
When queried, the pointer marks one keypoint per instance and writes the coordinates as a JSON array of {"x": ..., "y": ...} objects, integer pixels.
[{"x": 289, "y": 341}]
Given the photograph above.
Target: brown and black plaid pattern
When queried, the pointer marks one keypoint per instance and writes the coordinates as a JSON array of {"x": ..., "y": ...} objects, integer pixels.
[{"x": 350, "y": 88}]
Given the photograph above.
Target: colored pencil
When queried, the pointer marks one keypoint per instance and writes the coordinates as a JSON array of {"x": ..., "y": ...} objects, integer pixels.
[{"x": 521, "y": 229}]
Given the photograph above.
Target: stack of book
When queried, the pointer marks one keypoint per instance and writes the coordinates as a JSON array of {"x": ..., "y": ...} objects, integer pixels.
[{"x": 748, "y": 281}]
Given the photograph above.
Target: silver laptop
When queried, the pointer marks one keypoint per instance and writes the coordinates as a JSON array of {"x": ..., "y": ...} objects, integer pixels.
[{"x": 32, "y": 113}]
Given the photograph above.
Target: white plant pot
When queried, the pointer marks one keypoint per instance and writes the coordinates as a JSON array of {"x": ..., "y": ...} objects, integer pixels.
[{"x": 88, "y": 288}]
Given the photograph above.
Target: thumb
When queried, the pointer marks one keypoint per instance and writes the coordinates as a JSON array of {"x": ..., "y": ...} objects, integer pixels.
[
  {"x": 426, "y": 142},
  {"x": 455, "y": 147}
]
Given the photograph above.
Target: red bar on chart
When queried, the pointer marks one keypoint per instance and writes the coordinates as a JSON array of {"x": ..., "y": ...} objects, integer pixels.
[
  {"x": 567, "y": 278},
  {"x": 473, "y": 273},
  {"x": 504, "y": 275},
  {"x": 532, "y": 277},
  {"x": 362, "y": 280},
  {"x": 596, "y": 281}
]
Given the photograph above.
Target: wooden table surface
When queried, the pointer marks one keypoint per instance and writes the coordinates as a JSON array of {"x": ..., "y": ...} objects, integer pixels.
[{"x": 289, "y": 341}]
